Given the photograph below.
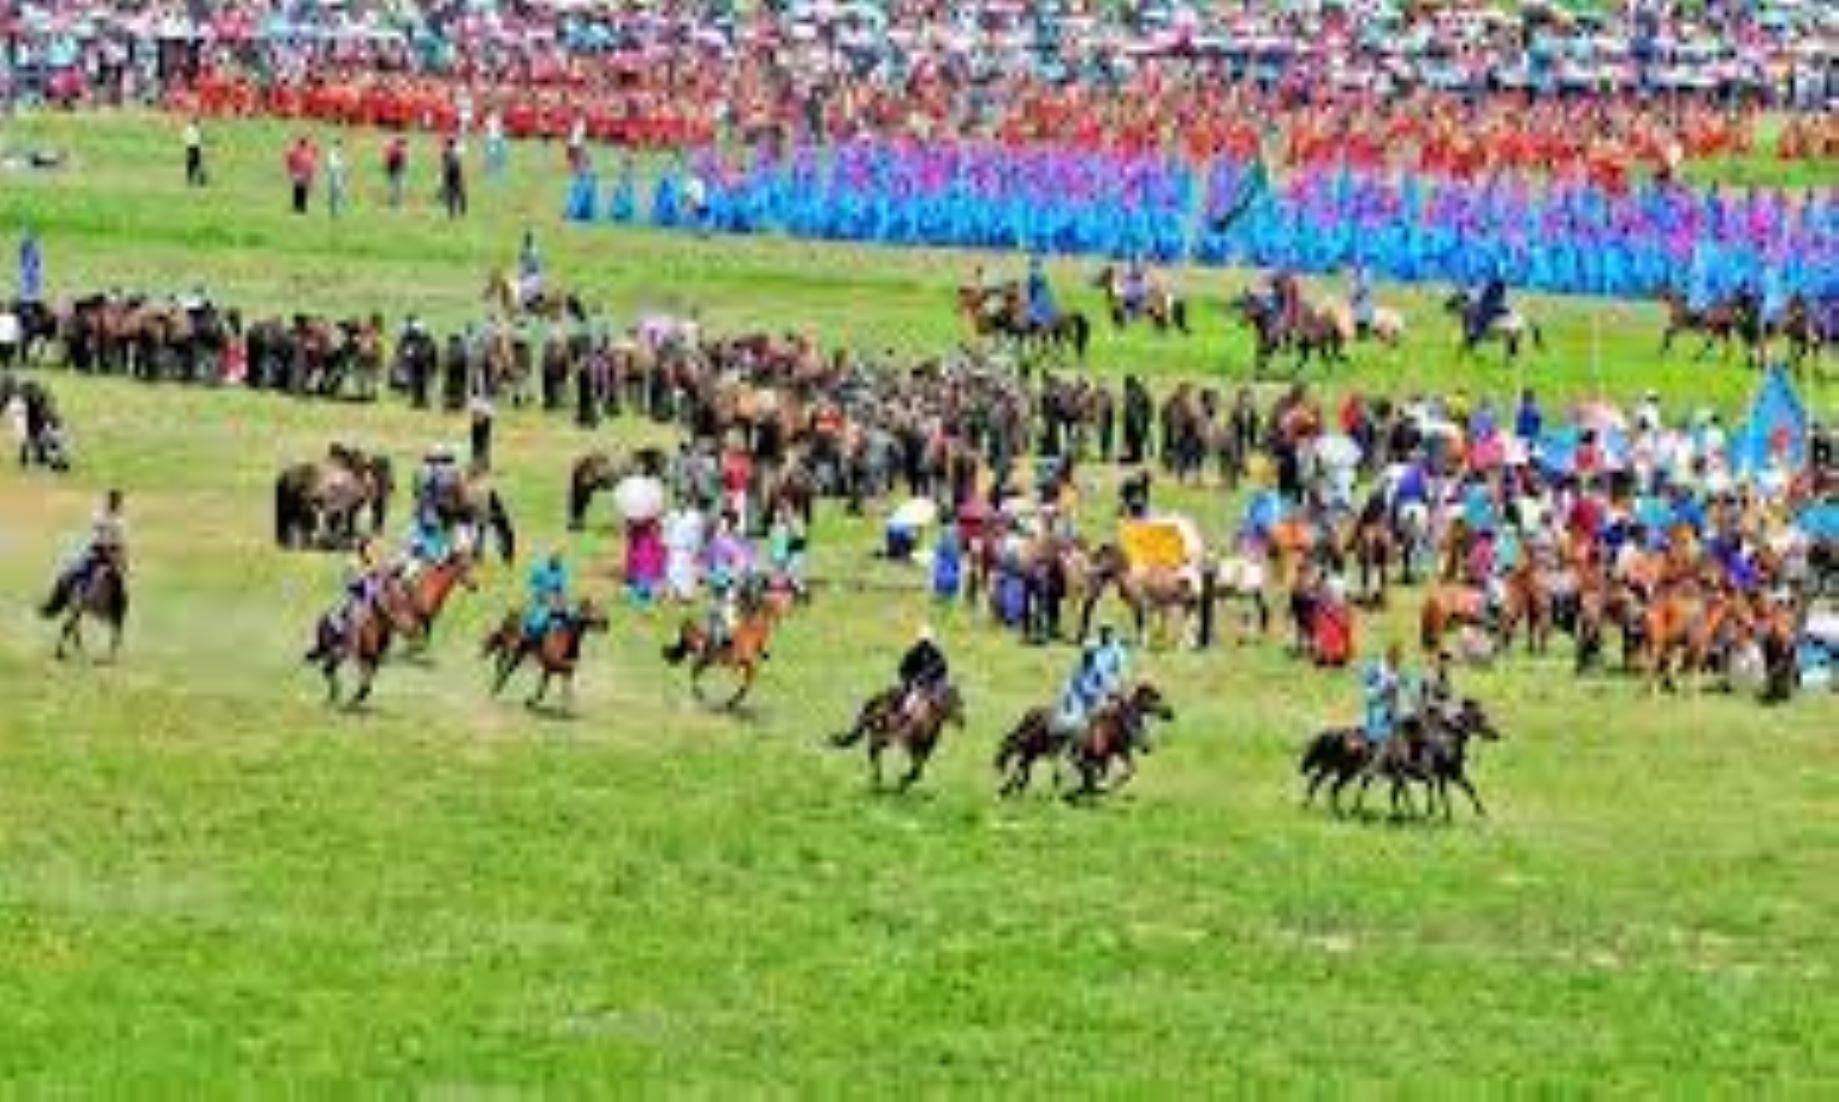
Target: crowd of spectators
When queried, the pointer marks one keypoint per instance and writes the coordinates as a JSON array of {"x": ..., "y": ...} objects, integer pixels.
[{"x": 1459, "y": 88}]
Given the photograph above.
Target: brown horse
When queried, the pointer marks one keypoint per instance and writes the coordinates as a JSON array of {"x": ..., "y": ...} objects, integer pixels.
[
  {"x": 365, "y": 642},
  {"x": 1161, "y": 593},
  {"x": 1371, "y": 547},
  {"x": 102, "y": 595},
  {"x": 886, "y": 722},
  {"x": 557, "y": 653},
  {"x": 1163, "y": 308},
  {"x": 1446, "y": 608},
  {"x": 1117, "y": 731},
  {"x": 1719, "y": 324},
  {"x": 427, "y": 594},
  {"x": 1114, "y": 733},
  {"x": 1686, "y": 628},
  {"x": 743, "y": 653}
]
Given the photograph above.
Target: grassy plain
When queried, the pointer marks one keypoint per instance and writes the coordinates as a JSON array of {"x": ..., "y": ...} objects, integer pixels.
[{"x": 209, "y": 880}]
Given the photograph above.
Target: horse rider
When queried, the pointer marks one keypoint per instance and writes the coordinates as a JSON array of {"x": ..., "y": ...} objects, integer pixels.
[
  {"x": 727, "y": 555},
  {"x": 107, "y": 545},
  {"x": 923, "y": 673},
  {"x": 1103, "y": 665},
  {"x": 1380, "y": 688},
  {"x": 439, "y": 471},
  {"x": 1490, "y": 307},
  {"x": 1136, "y": 287},
  {"x": 364, "y": 579},
  {"x": 548, "y": 598},
  {"x": 1360, "y": 301},
  {"x": 1042, "y": 310},
  {"x": 1285, "y": 297},
  {"x": 529, "y": 271}
]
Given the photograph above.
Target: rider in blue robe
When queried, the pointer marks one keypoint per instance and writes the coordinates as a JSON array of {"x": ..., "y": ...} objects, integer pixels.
[
  {"x": 1041, "y": 307},
  {"x": 548, "y": 596}
]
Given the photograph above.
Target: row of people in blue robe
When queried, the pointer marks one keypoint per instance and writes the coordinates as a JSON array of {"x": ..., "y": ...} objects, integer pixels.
[{"x": 1567, "y": 239}]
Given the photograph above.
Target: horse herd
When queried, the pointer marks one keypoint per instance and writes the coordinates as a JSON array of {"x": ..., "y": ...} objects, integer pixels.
[{"x": 1313, "y": 332}]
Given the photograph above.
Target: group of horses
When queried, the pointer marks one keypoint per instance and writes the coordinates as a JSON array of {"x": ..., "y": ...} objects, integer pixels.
[
  {"x": 1428, "y": 747},
  {"x": 1101, "y": 757},
  {"x": 1738, "y": 321},
  {"x": 1304, "y": 331}
]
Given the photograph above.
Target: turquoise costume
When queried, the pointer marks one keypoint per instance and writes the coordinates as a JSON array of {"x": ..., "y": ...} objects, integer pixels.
[{"x": 548, "y": 594}]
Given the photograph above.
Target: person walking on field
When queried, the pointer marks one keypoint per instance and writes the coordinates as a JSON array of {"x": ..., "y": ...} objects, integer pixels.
[
  {"x": 194, "y": 154},
  {"x": 302, "y": 165}
]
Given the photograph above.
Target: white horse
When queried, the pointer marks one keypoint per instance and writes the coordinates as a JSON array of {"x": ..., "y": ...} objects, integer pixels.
[
  {"x": 1387, "y": 326},
  {"x": 1243, "y": 578}
]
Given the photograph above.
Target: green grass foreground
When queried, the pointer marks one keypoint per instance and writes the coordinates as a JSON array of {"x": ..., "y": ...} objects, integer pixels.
[{"x": 208, "y": 882}]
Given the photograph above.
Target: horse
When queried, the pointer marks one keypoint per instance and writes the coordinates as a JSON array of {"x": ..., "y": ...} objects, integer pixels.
[
  {"x": 885, "y": 722},
  {"x": 102, "y": 595},
  {"x": 1312, "y": 335},
  {"x": 1158, "y": 591},
  {"x": 598, "y": 471},
  {"x": 1244, "y": 578},
  {"x": 473, "y": 503},
  {"x": 428, "y": 591},
  {"x": 1385, "y": 325},
  {"x": 365, "y": 641},
  {"x": 743, "y": 654},
  {"x": 318, "y": 503},
  {"x": 557, "y": 653},
  {"x": 1117, "y": 730},
  {"x": 1719, "y": 324},
  {"x": 1370, "y": 544},
  {"x": 1003, "y": 312},
  {"x": 1510, "y": 328},
  {"x": 1431, "y": 749},
  {"x": 551, "y": 303},
  {"x": 1162, "y": 307},
  {"x": 1338, "y": 753},
  {"x": 1447, "y": 607}
]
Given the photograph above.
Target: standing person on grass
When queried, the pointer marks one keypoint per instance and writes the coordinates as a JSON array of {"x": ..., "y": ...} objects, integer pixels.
[
  {"x": 396, "y": 167},
  {"x": 194, "y": 154},
  {"x": 302, "y": 163},
  {"x": 453, "y": 179},
  {"x": 336, "y": 184}
]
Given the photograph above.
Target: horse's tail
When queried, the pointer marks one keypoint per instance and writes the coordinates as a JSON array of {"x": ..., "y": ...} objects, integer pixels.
[
  {"x": 850, "y": 737},
  {"x": 1430, "y": 625},
  {"x": 59, "y": 600},
  {"x": 1082, "y": 334},
  {"x": 500, "y": 519},
  {"x": 1538, "y": 335},
  {"x": 1179, "y": 312},
  {"x": 580, "y": 490},
  {"x": 285, "y": 498}
]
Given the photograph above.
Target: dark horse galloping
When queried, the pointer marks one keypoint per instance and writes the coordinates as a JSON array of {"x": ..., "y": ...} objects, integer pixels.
[{"x": 101, "y": 593}]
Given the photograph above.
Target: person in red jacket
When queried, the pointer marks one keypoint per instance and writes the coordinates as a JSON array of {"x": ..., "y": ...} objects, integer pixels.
[{"x": 302, "y": 164}]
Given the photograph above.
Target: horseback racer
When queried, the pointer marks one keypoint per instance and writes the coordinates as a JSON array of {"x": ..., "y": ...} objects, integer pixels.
[
  {"x": 548, "y": 598},
  {"x": 107, "y": 544},
  {"x": 1102, "y": 668},
  {"x": 924, "y": 673}
]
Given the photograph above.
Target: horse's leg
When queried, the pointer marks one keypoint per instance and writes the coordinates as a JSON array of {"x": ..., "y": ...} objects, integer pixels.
[
  {"x": 916, "y": 765},
  {"x": 1462, "y": 782},
  {"x": 876, "y": 744},
  {"x": 542, "y": 687},
  {"x": 367, "y": 672}
]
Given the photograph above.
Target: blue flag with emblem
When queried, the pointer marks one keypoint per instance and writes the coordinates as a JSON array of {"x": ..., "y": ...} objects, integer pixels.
[{"x": 1776, "y": 432}]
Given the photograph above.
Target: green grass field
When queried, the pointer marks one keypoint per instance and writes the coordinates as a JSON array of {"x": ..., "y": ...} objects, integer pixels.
[{"x": 208, "y": 880}]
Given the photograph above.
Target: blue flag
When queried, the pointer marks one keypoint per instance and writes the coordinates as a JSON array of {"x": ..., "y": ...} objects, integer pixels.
[{"x": 1776, "y": 432}]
